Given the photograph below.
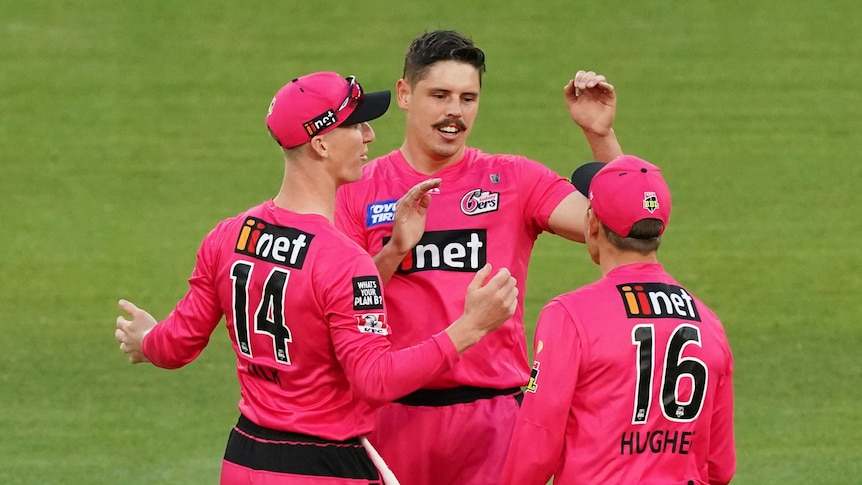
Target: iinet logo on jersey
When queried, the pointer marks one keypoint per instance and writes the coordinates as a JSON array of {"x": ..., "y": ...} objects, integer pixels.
[
  {"x": 460, "y": 250},
  {"x": 279, "y": 245},
  {"x": 657, "y": 300}
]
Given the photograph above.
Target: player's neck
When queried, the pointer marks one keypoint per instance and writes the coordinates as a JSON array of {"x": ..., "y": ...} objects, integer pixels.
[
  {"x": 428, "y": 163},
  {"x": 612, "y": 258},
  {"x": 306, "y": 193}
]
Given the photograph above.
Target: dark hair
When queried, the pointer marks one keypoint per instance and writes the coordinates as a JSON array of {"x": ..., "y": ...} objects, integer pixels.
[
  {"x": 440, "y": 45},
  {"x": 644, "y": 237}
]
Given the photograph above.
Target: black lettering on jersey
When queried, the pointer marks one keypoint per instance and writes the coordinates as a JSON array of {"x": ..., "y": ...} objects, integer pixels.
[
  {"x": 655, "y": 442},
  {"x": 367, "y": 294},
  {"x": 658, "y": 300},
  {"x": 462, "y": 250},
  {"x": 284, "y": 246},
  {"x": 265, "y": 373}
]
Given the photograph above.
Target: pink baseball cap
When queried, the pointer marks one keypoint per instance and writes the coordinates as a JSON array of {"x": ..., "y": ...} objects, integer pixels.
[
  {"x": 624, "y": 191},
  {"x": 318, "y": 103}
]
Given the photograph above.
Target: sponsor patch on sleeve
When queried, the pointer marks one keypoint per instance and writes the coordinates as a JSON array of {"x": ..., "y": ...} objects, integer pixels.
[
  {"x": 367, "y": 294},
  {"x": 533, "y": 384},
  {"x": 380, "y": 212},
  {"x": 372, "y": 323}
]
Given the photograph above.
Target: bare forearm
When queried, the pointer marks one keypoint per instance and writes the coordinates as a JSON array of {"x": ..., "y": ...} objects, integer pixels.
[
  {"x": 604, "y": 147},
  {"x": 464, "y": 334},
  {"x": 387, "y": 261}
]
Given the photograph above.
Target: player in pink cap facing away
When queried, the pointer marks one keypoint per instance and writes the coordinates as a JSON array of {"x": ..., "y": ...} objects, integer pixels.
[
  {"x": 304, "y": 307},
  {"x": 632, "y": 381},
  {"x": 462, "y": 208}
]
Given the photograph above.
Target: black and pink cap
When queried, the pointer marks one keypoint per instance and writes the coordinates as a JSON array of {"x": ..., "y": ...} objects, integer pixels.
[
  {"x": 624, "y": 191},
  {"x": 317, "y": 103}
]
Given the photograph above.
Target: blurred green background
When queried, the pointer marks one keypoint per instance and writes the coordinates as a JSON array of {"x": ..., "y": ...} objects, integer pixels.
[{"x": 128, "y": 129}]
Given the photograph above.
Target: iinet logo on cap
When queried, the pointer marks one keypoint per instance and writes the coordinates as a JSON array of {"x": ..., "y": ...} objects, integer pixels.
[{"x": 320, "y": 123}]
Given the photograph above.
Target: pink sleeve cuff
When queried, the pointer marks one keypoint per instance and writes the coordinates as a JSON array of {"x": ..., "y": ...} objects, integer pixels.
[{"x": 447, "y": 347}]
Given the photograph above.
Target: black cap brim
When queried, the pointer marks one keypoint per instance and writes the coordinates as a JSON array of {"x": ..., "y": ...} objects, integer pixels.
[
  {"x": 372, "y": 106},
  {"x": 583, "y": 175}
]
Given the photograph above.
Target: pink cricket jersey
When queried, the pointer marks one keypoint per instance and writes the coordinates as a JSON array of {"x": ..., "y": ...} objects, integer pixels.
[
  {"x": 489, "y": 208},
  {"x": 631, "y": 383},
  {"x": 304, "y": 308}
]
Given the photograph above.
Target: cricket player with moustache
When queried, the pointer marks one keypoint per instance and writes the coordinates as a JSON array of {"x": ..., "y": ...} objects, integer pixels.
[
  {"x": 463, "y": 208},
  {"x": 632, "y": 381},
  {"x": 304, "y": 307}
]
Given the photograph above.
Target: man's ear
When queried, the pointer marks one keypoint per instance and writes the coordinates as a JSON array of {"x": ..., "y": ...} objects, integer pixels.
[
  {"x": 593, "y": 225},
  {"x": 319, "y": 146},
  {"x": 403, "y": 91}
]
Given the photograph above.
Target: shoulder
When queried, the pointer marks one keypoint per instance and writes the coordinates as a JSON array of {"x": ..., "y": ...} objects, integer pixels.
[
  {"x": 478, "y": 157},
  {"x": 339, "y": 250},
  {"x": 583, "y": 303},
  {"x": 517, "y": 165},
  {"x": 230, "y": 225}
]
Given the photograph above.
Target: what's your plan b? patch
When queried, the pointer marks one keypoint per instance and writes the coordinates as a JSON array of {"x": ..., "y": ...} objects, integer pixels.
[{"x": 367, "y": 294}]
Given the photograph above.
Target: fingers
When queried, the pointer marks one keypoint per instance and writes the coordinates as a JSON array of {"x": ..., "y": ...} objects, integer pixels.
[
  {"x": 504, "y": 285},
  {"x": 479, "y": 278},
  {"x": 502, "y": 279},
  {"x": 418, "y": 191},
  {"x": 128, "y": 307},
  {"x": 429, "y": 184},
  {"x": 588, "y": 80},
  {"x": 121, "y": 337}
]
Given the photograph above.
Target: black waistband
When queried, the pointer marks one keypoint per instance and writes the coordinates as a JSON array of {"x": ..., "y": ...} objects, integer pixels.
[
  {"x": 455, "y": 395},
  {"x": 245, "y": 425},
  {"x": 258, "y": 448}
]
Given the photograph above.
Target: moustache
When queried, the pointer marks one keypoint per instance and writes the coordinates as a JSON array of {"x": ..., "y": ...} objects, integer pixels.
[{"x": 451, "y": 121}]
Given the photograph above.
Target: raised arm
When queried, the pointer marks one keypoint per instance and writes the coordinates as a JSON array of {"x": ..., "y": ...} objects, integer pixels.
[{"x": 592, "y": 104}]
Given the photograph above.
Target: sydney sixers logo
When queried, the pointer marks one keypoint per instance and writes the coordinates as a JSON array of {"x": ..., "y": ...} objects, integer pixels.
[{"x": 478, "y": 202}]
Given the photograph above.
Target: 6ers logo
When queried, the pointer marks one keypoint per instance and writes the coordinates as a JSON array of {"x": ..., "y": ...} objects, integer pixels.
[{"x": 478, "y": 202}]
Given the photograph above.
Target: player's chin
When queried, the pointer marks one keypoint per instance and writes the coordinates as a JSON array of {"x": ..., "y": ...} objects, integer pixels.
[{"x": 448, "y": 148}]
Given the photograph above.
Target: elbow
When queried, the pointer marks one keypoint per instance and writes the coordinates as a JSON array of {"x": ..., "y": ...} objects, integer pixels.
[
  {"x": 168, "y": 364},
  {"x": 375, "y": 396},
  {"x": 722, "y": 476}
]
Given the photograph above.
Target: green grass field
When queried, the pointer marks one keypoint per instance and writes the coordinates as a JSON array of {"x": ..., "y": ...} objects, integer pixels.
[{"x": 128, "y": 129}]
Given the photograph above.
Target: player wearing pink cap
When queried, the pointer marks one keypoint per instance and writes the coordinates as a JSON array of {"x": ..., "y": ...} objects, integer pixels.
[
  {"x": 632, "y": 379},
  {"x": 304, "y": 306},
  {"x": 477, "y": 208}
]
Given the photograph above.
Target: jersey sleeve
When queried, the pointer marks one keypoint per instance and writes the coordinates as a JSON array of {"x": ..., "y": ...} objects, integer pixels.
[
  {"x": 537, "y": 443},
  {"x": 543, "y": 191},
  {"x": 180, "y": 338},
  {"x": 359, "y": 330},
  {"x": 348, "y": 215},
  {"x": 722, "y": 448}
]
